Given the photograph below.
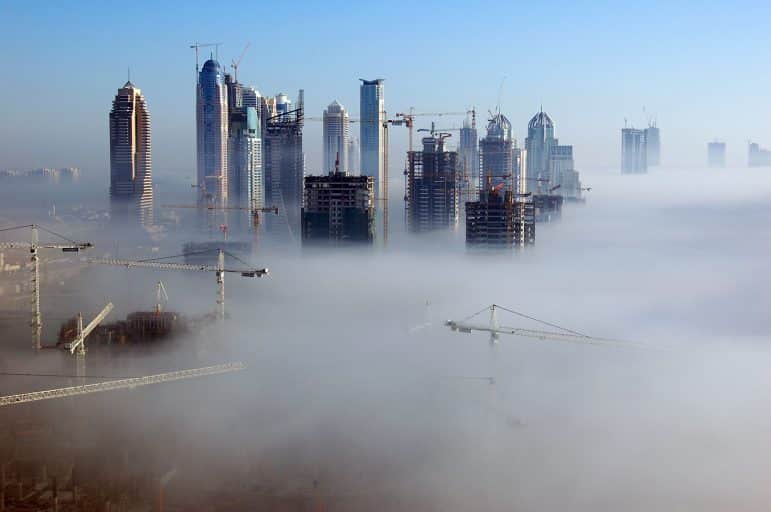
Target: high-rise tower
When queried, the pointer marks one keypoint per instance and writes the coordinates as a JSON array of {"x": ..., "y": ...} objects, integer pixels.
[
  {"x": 497, "y": 154},
  {"x": 372, "y": 132},
  {"x": 131, "y": 181},
  {"x": 433, "y": 188},
  {"x": 468, "y": 151},
  {"x": 212, "y": 133},
  {"x": 539, "y": 142},
  {"x": 653, "y": 145},
  {"x": 335, "y": 138},
  {"x": 634, "y": 152},
  {"x": 245, "y": 167}
]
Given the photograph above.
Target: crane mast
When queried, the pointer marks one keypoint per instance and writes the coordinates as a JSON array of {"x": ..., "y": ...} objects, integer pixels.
[{"x": 34, "y": 247}]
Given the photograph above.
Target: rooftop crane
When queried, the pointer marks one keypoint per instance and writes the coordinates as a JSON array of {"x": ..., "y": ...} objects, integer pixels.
[
  {"x": 219, "y": 270},
  {"x": 495, "y": 330},
  {"x": 408, "y": 119},
  {"x": 34, "y": 246},
  {"x": 197, "y": 46},
  {"x": 236, "y": 63},
  {"x": 111, "y": 385}
]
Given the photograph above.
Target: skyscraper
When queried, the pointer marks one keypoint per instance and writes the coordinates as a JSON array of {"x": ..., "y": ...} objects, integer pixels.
[
  {"x": 335, "y": 137},
  {"x": 539, "y": 142},
  {"x": 284, "y": 160},
  {"x": 758, "y": 156},
  {"x": 498, "y": 220},
  {"x": 131, "y": 181},
  {"x": 432, "y": 186},
  {"x": 653, "y": 145},
  {"x": 468, "y": 150},
  {"x": 716, "y": 154},
  {"x": 212, "y": 133},
  {"x": 497, "y": 154},
  {"x": 634, "y": 152},
  {"x": 245, "y": 176},
  {"x": 371, "y": 131}
]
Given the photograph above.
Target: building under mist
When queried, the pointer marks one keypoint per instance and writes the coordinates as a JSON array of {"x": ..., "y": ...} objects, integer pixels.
[
  {"x": 212, "y": 133},
  {"x": 497, "y": 154},
  {"x": 468, "y": 152},
  {"x": 716, "y": 154},
  {"x": 338, "y": 208},
  {"x": 335, "y": 134},
  {"x": 499, "y": 219},
  {"x": 131, "y": 182},
  {"x": 634, "y": 152},
  {"x": 432, "y": 186},
  {"x": 372, "y": 131},
  {"x": 284, "y": 161},
  {"x": 354, "y": 167},
  {"x": 653, "y": 145},
  {"x": 757, "y": 156}
]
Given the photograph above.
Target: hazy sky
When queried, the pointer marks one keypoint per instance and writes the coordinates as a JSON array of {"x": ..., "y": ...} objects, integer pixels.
[{"x": 700, "y": 67}]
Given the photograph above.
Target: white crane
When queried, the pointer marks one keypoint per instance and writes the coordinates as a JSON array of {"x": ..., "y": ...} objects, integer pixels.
[
  {"x": 119, "y": 384},
  {"x": 78, "y": 345},
  {"x": 219, "y": 271},
  {"x": 496, "y": 330},
  {"x": 34, "y": 246}
]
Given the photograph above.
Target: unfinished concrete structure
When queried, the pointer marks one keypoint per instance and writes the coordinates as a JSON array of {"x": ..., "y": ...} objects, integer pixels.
[
  {"x": 432, "y": 186},
  {"x": 338, "y": 208},
  {"x": 500, "y": 220}
]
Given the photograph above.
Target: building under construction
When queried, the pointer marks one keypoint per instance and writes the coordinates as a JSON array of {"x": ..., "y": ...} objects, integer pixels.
[
  {"x": 499, "y": 220},
  {"x": 547, "y": 207},
  {"x": 432, "y": 186},
  {"x": 338, "y": 208}
]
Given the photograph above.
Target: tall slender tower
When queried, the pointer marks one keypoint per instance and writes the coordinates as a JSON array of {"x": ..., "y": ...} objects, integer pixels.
[
  {"x": 539, "y": 143},
  {"x": 335, "y": 137},
  {"x": 131, "y": 180},
  {"x": 212, "y": 133},
  {"x": 371, "y": 131}
]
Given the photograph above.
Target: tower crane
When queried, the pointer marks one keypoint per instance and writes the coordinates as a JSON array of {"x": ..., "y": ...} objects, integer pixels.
[
  {"x": 236, "y": 63},
  {"x": 408, "y": 119},
  {"x": 211, "y": 207},
  {"x": 34, "y": 246},
  {"x": 111, "y": 385},
  {"x": 495, "y": 329},
  {"x": 78, "y": 345},
  {"x": 219, "y": 270},
  {"x": 197, "y": 46}
]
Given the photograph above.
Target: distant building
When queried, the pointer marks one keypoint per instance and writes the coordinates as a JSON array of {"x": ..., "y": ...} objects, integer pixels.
[
  {"x": 131, "y": 181},
  {"x": 335, "y": 133},
  {"x": 716, "y": 154},
  {"x": 498, "y": 220},
  {"x": 212, "y": 133},
  {"x": 338, "y": 208},
  {"x": 284, "y": 160},
  {"x": 64, "y": 174},
  {"x": 433, "y": 186},
  {"x": 539, "y": 142},
  {"x": 354, "y": 167},
  {"x": 653, "y": 145},
  {"x": 757, "y": 156},
  {"x": 497, "y": 154},
  {"x": 372, "y": 132},
  {"x": 468, "y": 152},
  {"x": 634, "y": 152}
]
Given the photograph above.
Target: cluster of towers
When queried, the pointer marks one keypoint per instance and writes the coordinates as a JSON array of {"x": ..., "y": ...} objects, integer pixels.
[{"x": 640, "y": 149}]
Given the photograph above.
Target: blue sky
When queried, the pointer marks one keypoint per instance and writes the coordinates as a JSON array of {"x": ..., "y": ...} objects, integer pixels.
[{"x": 702, "y": 68}]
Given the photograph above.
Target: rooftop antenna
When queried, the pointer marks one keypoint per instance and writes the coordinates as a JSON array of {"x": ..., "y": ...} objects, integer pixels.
[{"x": 129, "y": 73}]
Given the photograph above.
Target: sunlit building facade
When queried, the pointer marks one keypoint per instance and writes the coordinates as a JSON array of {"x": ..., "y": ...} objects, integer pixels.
[
  {"x": 372, "y": 132},
  {"x": 212, "y": 133},
  {"x": 336, "y": 134},
  {"x": 131, "y": 181}
]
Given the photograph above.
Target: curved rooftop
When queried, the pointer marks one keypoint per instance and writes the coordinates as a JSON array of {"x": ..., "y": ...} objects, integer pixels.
[
  {"x": 541, "y": 120},
  {"x": 499, "y": 126}
]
